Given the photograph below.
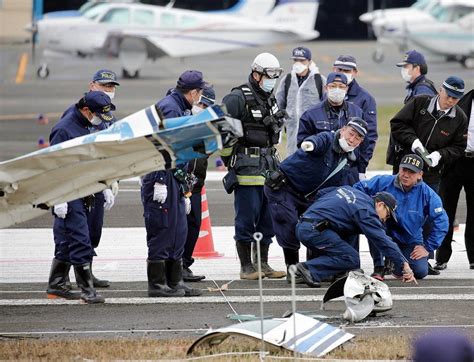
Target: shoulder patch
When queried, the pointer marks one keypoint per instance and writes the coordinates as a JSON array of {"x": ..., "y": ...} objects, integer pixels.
[{"x": 438, "y": 210}]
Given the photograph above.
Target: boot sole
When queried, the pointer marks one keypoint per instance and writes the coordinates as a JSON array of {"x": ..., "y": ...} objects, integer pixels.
[
  {"x": 251, "y": 276},
  {"x": 275, "y": 275},
  {"x": 56, "y": 296},
  {"x": 99, "y": 301}
]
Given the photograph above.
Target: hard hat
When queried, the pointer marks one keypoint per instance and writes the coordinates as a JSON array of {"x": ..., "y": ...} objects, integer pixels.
[{"x": 268, "y": 65}]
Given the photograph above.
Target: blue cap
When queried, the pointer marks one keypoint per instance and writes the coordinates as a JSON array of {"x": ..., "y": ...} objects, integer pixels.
[
  {"x": 301, "y": 53},
  {"x": 99, "y": 103},
  {"x": 454, "y": 86},
  {"x": 191, "y": 79},
  {"x": 440, "y": 346},
  {"x": 105, "y": 76},
  {"x": 208, "y": 96},
  {"x": 346, "y": 62},
  {"x": 359, "y": 125},
  {"x": 412, "y": 57},
  {"x": 336, "y": 77}
]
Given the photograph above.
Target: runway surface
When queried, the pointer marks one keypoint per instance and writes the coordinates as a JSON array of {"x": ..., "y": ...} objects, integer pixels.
[{"x": 26, "y": 250}]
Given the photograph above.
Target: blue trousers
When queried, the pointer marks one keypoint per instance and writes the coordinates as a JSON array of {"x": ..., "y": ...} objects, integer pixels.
[
  {"x": 252, "y": 214},
  {"x": 71, "y": 235},
  {"x": 286, "y": 207},
  {"x": 194, "y": 226},
  {"x": 165, "y": 224},
  {"x": 95, "y": 219},
  {"x": 336, "y": 255},
  {"x": 419, "y": 267}
]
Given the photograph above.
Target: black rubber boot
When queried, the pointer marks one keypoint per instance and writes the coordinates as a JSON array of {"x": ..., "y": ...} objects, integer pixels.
[
  {"x": 306, "y": 275},
  {"x": 157, "y": 286},
  {"x": 84, "y": 281},
  {"x": 174, "y": 275},
  {"x": 57, "y": 287},
  {"x": 247, "y": 269},
  {"x": 99, "y": 283},
  {"x": 266, "y": 269},
  {"x": 67, "y": 281},
  {"x": 292, "y": 257}
]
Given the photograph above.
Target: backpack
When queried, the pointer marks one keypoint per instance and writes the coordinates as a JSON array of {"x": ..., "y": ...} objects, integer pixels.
[{"x": 317, "y": 79}]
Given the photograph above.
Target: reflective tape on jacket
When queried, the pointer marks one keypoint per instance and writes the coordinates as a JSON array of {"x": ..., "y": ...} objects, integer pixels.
[
  {"x": 251, "y": 180},
  {"x": 226, "y": 152}
]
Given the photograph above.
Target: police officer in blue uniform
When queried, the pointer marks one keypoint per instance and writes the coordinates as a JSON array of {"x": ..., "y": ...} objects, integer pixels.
[
  {"x": 254, "y": 154},
  {"x": 165, "y": 205},
  {"x": 71, "y": 230},
  {"x": 332, "y": 114},
  {"x": 417, "y": 204},
  {"x": 413, "y": 71},
  {"x": 347, "y": 64},
  {"x": 198, "y": 168},
  {"x": 338, "y": 214},
  {"x": 104, "y": 80},
  {"x": 323, "y": 160}
]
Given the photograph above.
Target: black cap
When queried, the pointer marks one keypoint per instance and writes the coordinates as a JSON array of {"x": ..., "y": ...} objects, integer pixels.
[
  {"x": 412, "y": 162},
  {"x": 389, "y": 201}
]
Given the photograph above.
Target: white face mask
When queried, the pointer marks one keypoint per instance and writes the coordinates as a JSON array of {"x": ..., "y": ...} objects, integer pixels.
[
  {"x": 95, "y": 120},
  {"x": 268, "y": 85},
  {"x": 110, "y": 94},
  {"x": 196, "y": 109},
  {"x": 344, "y": 145},
  {"x": 336, "y": 95},
  {"x": 299, "y": 67},
  {"x": 349, "y": 77},
  {"x": 406, "y": 74}
]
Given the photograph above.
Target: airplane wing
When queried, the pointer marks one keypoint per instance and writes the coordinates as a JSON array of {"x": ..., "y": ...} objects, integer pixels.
[{"x": 136, "y": 145}]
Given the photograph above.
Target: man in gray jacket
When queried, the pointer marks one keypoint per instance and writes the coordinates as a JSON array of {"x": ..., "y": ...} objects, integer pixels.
[{"x": 298, "y": 91}]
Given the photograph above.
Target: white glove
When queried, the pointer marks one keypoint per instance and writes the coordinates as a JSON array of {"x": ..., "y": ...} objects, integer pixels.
[
  {"x": 109, "y": 199},
  {"x": 60, "y": 210},
  {"x": 160, "y": 193},
  {"x": 187, "y": 205},
  {"x": 434, "y": 157},
  {"x": 307, "y": 146},
  {"x": 417, "y": 144},
  {"x": 362, "y": 176},
  {"x": 115, "y": 188}
]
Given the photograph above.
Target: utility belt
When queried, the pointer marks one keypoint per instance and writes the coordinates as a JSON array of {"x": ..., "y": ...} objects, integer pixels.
[
  {"x": 469, "y": 154},
  {"x": 317, "y": 225},
  {"x": 257, "y": 151}
]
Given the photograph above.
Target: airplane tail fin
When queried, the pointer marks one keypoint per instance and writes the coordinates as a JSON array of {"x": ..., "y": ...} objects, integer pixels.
[{"x": 298, "y": 15}]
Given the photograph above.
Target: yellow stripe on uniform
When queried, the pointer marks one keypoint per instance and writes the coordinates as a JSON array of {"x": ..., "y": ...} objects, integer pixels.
[
  {"x": 251, "y": 180},
  {"x": 20, "y": 74}
]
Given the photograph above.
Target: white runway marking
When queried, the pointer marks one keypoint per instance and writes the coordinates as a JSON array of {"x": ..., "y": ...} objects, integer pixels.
[{"x": 218, "y": 299}]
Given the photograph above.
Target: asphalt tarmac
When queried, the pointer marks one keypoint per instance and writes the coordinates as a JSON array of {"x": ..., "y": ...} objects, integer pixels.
[{"x": 435, "y": 303}]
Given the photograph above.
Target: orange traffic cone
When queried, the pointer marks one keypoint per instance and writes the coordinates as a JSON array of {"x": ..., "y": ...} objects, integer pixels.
[{"x": 205, "y": 244}]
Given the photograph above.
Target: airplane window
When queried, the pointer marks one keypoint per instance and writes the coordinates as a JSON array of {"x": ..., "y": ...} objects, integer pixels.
[
  {"x": 188, "y": 21},
  {"x": 167, "y": 20},
  {"x": 116, "y": 16},
  {"x": 143, "y": 17},
  {"x": 421, "y": 4},
  {"x": 458, "y": 12},
  {"x": 93, "y": 11}
]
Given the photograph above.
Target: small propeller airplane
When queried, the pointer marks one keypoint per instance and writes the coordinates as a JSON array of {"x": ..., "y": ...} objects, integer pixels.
[
  {"x": 134, "y": 32},
  {"x": 134, "y": 146}
]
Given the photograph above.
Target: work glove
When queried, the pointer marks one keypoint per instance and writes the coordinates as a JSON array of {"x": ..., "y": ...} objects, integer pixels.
[
  {"x": 187, "y": 205},
  {"x": 362, "y": 176},
  {"x": 434, "y": 157},
  {"x": 417, "y": 144},
  {"x": 307, "y": 146},
  {"x": 115, "y": 188},
  {"x": 160, "y": 193},
  {"x": 109, "y": 199},
  {"x": 60, "y": 210}
]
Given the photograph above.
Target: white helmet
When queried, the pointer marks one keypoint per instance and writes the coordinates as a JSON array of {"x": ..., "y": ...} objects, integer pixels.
[{"x": 267, "y": 64}]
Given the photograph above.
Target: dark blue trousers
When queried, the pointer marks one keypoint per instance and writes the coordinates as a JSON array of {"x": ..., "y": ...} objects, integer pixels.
[
  {"x": 194, "y": 226},
  {"x": 336, "y": 254},
  {"x": 165, "y": 224},
  {"x": 286, "y": 207},
  {"x": 71, "y": 235},
  {"x": 95, "y": 219},
  {"x": 252, "y": 214}
]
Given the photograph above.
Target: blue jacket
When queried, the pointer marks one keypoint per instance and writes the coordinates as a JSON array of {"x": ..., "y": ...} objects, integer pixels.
[
  {"x": 171, "y": 106},
  {"x": 72, "y": 125},
  {"x": 352, "y": 212},
  {"x": 419, "y": 86},
  {"x": 322, "y": 117},
  {"x": 360, "y": 97},
  {"x": 414, "y": 208},
  {"x": 306, "y": 171}
]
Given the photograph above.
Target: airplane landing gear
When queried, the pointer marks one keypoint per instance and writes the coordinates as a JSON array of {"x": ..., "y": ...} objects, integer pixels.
[
  {"x": 468, "y": 62},
  {"x": 130, "y": 75},
  {"x": 43, "y": 71},
  {"x": 378, "y": 55}
]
